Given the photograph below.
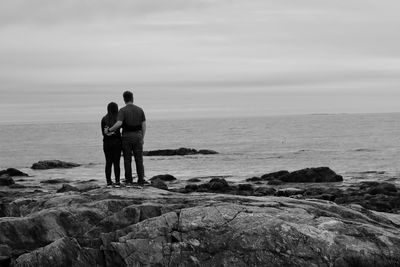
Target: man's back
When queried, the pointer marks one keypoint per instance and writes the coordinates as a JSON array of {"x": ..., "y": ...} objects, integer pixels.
[{"x": 132, "y": 118}]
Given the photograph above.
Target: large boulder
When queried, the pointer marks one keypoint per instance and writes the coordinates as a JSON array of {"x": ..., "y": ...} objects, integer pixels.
[
  {"x": 53, "y": 164},
  {"x": 312, "y": 175},
  {"x": 13, "y": 172},
  {"x": 276, "y": 233}
]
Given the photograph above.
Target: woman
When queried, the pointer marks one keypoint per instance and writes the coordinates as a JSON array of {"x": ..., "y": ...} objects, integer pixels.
[{"x": 111, "y": 144}]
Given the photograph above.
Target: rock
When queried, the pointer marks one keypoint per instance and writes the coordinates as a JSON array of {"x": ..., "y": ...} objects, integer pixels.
[
  {"x": 264, "y": 191},
  {"x": 178, "y": 152},
  {"x": 312, "y": 175},
  {"x": 151, "y": 227},
  {"x": 54, "y": 181},
  {"x": 53, "y": 164},
  {"x": 253, "y": 179},
  {"x": 218, "y": 184},
  {"x": 17, "y": 186},
  {"x": 191, "y": 187},
  {"x": 158, "y": 183},
  {"x": 164, "y": 177},
  {"x": 6, "y": 180},
  {"x": 64, "y": 252},
  {"x": 207, "y": 152},
  {"x": 67, "y": 188},
  {"x": 287, "y": 233},
  {"x": 274, "y": 175},
  {"x": 13, "y": 172},
  {"x": 374, "y": 188},
  {"x": 287, "y": 192},
  {"x": 245, "y": 187},
  {"x": 194, "y": 180},
  {"x": 275, "y": 182}
]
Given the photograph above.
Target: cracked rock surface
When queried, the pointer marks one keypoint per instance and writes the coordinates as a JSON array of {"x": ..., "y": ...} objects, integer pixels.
[{"x": 154, "y": 227}]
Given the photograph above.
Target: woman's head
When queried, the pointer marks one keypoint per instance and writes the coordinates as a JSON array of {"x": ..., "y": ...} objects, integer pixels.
[{"x": 112, "y": 108}]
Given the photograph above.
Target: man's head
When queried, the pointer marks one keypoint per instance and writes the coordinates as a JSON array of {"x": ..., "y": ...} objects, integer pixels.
[{"x": 128, "y": 96}]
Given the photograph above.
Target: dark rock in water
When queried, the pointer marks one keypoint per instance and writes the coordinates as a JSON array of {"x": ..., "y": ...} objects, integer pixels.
[
  {"x": 53, "y": 164},
  {"x": 194, "y": 180},
  {"x": 207, "y": 152},
  {"x": 13, "y": 172},
  {"x": 64, "y": 252},
  {"x": 67, "y": 188},
  {"x": 158, "y": 183},
  {"x": 218, "y": 184},
  {"x": 6, "y": 180},
  {"x": 253, "y": 179},
  {"x": 287, "y": 192},
  {"x": 312, "y": 175},
  {"x": 274, "y": 175},
  {"x": 164, "y": 177},
  {"x": 54, "y": 181},
  {"x": 275, "y": 182},
  {"x": 178, "y": 152}
]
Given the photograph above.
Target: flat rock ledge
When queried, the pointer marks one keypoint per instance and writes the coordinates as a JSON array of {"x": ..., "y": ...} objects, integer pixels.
[
  {"x": 153, "y": 227},
  {"x": 179, "y": 152},
  {"x": 53, "y": 164}
]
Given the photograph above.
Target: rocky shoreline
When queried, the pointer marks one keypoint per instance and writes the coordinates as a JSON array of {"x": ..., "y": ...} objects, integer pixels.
[{"x": 303, "y": 218}]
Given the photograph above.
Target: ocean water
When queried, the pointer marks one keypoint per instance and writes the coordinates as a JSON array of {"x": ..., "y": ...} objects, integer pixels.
[{"x": 356, "y": 146}]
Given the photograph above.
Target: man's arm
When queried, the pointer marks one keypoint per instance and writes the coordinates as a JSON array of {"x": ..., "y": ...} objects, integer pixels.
[
  {"x": 144, "y": 128},
  {"x": 115, "y": 126}
]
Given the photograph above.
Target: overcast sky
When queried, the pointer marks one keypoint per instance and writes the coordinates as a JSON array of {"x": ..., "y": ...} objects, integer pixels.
[{"x": 65, "y": 60}]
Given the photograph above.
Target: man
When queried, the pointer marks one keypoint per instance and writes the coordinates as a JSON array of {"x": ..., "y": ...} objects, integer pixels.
[{"x": 133, "y": 122}]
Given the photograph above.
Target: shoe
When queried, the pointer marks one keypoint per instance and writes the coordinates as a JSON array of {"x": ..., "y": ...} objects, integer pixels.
[
  {"x": 117, "y": 185},
  {"x": 109, "y": 186},
  {"x": 128, "y": 185}
]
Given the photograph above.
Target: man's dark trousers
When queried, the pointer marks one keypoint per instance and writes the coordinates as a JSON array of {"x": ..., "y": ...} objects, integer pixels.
[{"x": 133, "y": 144}]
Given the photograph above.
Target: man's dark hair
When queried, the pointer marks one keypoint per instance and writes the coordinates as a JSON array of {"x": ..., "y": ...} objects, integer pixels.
[
  {"x": 128, "y": 96},
  {"x": 112, "y": 108}
]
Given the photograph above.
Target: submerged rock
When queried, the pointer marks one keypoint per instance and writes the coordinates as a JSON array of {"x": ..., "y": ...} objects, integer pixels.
[
  {"x": 53, "y": 164},
  {"x": 179, "y": 152}
]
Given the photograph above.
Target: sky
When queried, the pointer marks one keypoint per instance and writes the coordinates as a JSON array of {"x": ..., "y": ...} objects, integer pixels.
[{"x": 65, "y": 60}]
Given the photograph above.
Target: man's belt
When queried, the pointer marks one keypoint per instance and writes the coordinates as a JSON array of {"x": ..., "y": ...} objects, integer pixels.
[{"x": 130, "y": 128}]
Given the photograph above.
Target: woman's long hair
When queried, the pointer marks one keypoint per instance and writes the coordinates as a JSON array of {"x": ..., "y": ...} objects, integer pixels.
[{"x": 112, "y": 113}]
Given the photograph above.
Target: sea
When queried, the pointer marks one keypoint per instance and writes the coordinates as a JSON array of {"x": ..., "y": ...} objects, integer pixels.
[{"x": 357, "y": 146}]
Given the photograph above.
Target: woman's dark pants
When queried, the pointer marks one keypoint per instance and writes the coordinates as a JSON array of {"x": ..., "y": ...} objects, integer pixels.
[{"x": 112, "y": 150}]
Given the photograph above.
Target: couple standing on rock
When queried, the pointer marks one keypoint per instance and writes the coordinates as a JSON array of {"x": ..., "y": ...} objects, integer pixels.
[{"x": 132, "y": 120}]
